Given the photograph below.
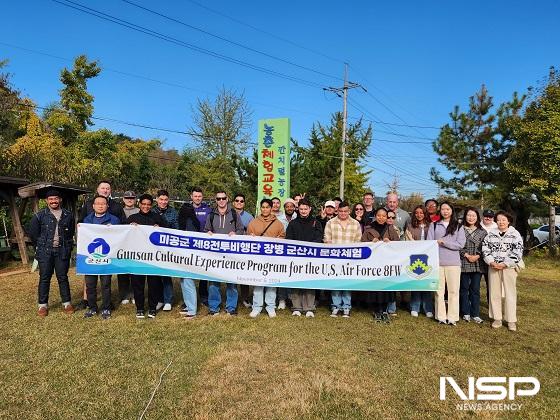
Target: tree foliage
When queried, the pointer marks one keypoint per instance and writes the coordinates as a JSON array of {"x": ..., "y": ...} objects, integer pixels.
[
  {"x": 10, "y": 110},
  {"x": 316, "y": 168},
  {"x": 535, "y": 159}
]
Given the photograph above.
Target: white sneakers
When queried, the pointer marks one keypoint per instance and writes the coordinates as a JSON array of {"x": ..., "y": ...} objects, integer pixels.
[
  {"x": 125, "y": 302},
  {"x": 334, "y": 313},
  {"x": 296, "y": 313},
  {"x": 167, "y": 307},
  {"x": 429, "y": 315},
  {"x": 309, "y": 314},
  {"x": 159, "y": 306},
  {"x": 346, "y": 313},
  {"x": 254, "y": 313},
  {"x": 467, "y": 318},
  {"x": 282, "y": 304},
  {"x": 271, "y": 312},
  {"x": 414, "y": 314},
  {"x": 478, "y": 320}
]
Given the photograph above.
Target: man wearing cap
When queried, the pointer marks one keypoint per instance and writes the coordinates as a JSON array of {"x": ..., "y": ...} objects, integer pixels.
[
  {"x": 327, "y": 212},
  {"x": 488, "y": 222},
  {"x": 52, "y": 233},
  {"x": 285, "y": 218},
  {"x": 125, "y": 280}
]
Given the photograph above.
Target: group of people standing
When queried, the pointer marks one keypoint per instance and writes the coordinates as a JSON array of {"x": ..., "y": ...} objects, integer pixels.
[{"x": 469, "y": 248}]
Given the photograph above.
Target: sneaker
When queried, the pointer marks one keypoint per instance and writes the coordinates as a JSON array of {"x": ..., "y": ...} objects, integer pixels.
[
  {"x": 232, "y": 313},
  {"x": 247, "y": 304},
  {"x": 512, "y": 326},
  {"x": 478, "y": 320},
  {"x": 452, "y": 323},
  {"x": 140, "y": 314},
  {"x": 90, "y": 313},
  {"x": 393, "y": 313},
  {"x": 346, "y": 313},
  {"x": 385, "y": 317},
  {"x": 429, "y": 315},
  {"x": 133, "y": 301},
  {"x": 214, "y": 313},
  {"x": 43, "y": 311},
  {"x": 377, "y": 317},
  {"x": 183, "y": 311},
  {"x": 271, "y": 313},
  {"x": 69, "y": 309},
  {"x": 282, "y": 304},
  {"x": 334, "y": 312},
  {"x": 467, "y": 318},
  {"x": 296, "y": 313},
  {"x": 189, "y": 317},
  {"x": 497, "y": 323},
  {"x": 152, "y": 314},
  {"x": 159, "y": 306},
  {"x": 254, "y": 313},
  {"x": 125, "y": 302},
  {"x": 167, "y": 307},
  {"x": 309, "y": 314},
  {"x": 105, "y": 314},
  {"x": 82, "y": 305},
  {"x": 444, "y": 322},
  {"x": 414, "y": 314}
]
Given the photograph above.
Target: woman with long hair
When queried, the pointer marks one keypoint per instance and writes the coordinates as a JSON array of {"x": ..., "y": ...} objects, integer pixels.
[
  {"x": 359, "y": 213},
  {"x": 450, "y": 237},
  {"x": 472, "y": 266},
  {"x": 379, "y": 230},
  {"x": 417, "y": 230}
]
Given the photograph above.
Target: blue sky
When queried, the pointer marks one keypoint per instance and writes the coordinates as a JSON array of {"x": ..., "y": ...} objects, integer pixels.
[{"x": 416, "y": 59}]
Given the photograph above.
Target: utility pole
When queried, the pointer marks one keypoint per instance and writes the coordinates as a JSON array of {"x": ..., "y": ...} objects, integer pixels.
[{"x": 337, "y": 90}]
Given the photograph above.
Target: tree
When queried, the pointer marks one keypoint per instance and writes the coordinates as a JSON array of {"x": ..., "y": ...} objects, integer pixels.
[
  {"x": 474, "y": 147},
  {"x": 316, "y": 168},
  {"x": 73, "y": 114},
  {"x": 535, "y": 159},
  {"x": 10, "y": 109}
]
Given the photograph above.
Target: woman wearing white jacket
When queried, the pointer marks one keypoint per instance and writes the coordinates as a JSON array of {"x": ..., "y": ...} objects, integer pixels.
[{"x": 503, "y": 252}]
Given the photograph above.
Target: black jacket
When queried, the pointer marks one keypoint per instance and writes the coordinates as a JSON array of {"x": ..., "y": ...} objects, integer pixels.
[
  {"x": 147, "y": 219},
  {"x": 307, "y": 229},
  {"x": 115, "y": 208},
  {"x": 41, "y": 232},
  {"x": 187, "y": 218}
]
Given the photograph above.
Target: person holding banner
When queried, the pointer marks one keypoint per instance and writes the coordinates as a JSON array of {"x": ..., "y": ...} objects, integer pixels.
[
  {"x": 417, "y": 230},
  {"x": 267, "y": 225},
  {"x": 380, "y": 230},
  {"x": 450, "y": 237},
  {"x": 342, "y": 229},
  {"x": 225, "y": 220},
  {"x": 246, "y": 217},
  {"x": 147, "y": 218},
  {"x": 285, "y": 218},
  {"x": 100, "y": 216},
  {"x": 189, "y": 222},
  {"x": 305, "y": 228}
]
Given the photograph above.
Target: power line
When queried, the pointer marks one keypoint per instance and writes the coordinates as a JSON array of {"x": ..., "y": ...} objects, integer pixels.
[
  {"x": 266, "y": 32},
  {"x": 138, "y": 28},
  {"x": 237, "y": 44}
]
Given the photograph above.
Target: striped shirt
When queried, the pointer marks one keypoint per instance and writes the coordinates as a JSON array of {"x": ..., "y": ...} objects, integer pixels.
[
  {"x": 335, "y": 233},
  {"x": 473, "y": 246}
]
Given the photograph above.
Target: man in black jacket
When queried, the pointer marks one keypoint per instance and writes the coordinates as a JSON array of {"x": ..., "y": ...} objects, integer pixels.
[
  {"x": 305, "y": 228},
  {"x": 52, "y": 232},
  {"x": 146, "y": 217}
]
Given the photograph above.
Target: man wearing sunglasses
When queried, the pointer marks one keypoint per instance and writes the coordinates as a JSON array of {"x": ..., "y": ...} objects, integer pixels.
[
  {"x": 225, "y": 220},
  {"x": 246, "y": 217}
]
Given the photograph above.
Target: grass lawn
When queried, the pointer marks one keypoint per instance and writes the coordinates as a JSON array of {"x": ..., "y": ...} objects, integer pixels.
[{"x": 69, "y": 367}]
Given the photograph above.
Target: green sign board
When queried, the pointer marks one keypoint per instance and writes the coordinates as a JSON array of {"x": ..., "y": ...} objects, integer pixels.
[{"x": 274, "y": 159}]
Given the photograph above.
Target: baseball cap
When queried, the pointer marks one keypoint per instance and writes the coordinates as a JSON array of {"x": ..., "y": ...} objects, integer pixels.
[
  {"x": 330, "y": 203},
  {"x": 488, "y": 213},
  {"x": 129, "y": 194}
]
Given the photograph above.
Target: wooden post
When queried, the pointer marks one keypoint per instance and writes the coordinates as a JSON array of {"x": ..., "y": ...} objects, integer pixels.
[{"x": 18, "y": 230}]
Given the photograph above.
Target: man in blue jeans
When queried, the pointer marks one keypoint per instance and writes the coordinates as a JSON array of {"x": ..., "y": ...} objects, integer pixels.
[
  {"x": 223, "y": 219},
  {"x": 52, "y": 232},
  {"x": 188, "y": 221},
  {"x": 169, "y": 214}
]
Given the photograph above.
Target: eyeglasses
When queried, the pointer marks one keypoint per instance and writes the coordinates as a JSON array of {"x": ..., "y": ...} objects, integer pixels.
[
  {"x": 239, "y": 201},
  {"x": 391, "y": 217},
  {"x": 221, "y": 198},
  {"x": 358, "y": 209}
]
